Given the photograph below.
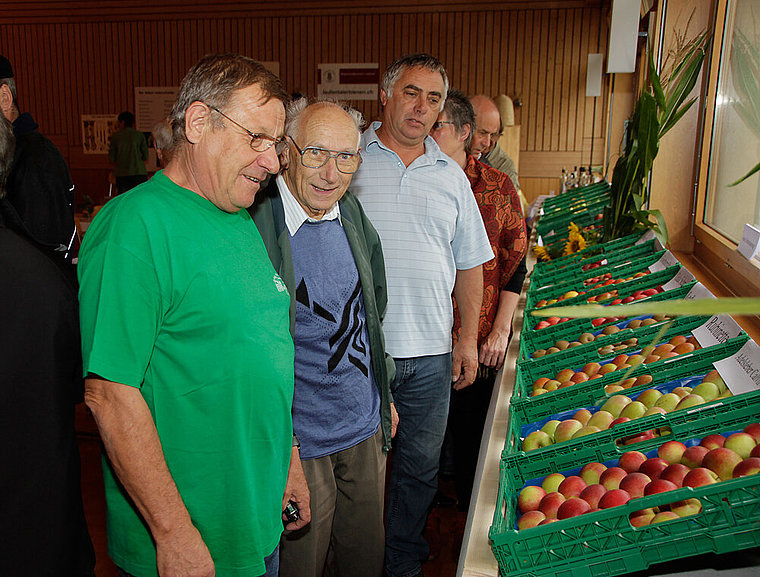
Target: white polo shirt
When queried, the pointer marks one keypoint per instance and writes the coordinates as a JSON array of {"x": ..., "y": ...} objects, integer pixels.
[{"x": 430, "y": 226}]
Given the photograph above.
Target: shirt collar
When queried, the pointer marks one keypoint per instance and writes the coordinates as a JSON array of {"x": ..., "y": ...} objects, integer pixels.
[
  {"x": 433, "y": 152},
  {"x": 295, "y": 215}
]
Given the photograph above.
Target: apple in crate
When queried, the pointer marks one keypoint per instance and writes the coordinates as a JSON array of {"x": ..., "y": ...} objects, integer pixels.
[
  {"x": 550, "y": 504},
  {"x": 741, "y": 443},
  {"x": 530, "y": 519},
  {"x": 572, "y": 486},
  {"x": 591, "y": 472},
  {"x": 634, "y": 484},
  {"x": 614, "y": 498},
  {"x": 675, "y": 473},
  {"x": 566, "y": 429},
  {"x": 692, "y": 456},
  {"x": 653, "y": 467},
  {"x": 699, "y": 477},
  {"x": 529, "y": 498},
  {"x": 754, "y": 430},
  {"x": 664, "y": 516},
  {"x": 671, "y": 451},
  {"x": 572, "y": 507},
  {"x": 551, "y": 482},
  {"x": 722, "y": 462},
  {"x": 611, "y": 478},
  {"x": 686, "y": 508},
  {"x": 749, "y": 466},
  {"x": 659, "y": 486},
  {"x": 592, "y": 494},
  {"x": 713, "y": 441},
  {"x": 536, "y": 440},
  {"x": 630, "y": 461}
]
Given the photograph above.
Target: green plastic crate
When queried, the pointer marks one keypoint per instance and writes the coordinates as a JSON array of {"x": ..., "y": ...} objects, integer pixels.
[
  {"x": 558, "y": 222},
  {"x": 604, "y": 543},
  {"x": 624, "y": 289},
  {"x": 531, "y": 409},
  {"x": 541, "y": 268},
  {"x": 575, "y": 194}
]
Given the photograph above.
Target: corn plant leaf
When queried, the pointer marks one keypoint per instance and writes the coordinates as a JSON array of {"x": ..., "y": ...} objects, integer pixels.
[
  {"x": 754, "y": 169},
  {"x": 727, "y": 306},
  {"x": 685, "y": 83},
  {"x": 659, "y": 94},
  {"x": 677, "y": 116}
]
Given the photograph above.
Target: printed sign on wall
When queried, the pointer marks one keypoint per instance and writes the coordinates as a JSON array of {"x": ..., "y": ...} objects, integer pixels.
[{"x": 343, "y": 81}]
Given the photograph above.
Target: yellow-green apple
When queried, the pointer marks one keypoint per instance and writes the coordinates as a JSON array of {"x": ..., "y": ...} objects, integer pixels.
[
  {"x": 611, "y": 477},
  {"x": 649, "y": 397},
  {"x": 633, "y": 410},
  {"x": 722, "y": 461},
  {"x": 586, "y": 430},
  {"x": 592, "y": 494},
  {"x": 586, "y": 338},
  {"x": 668, "y": 401},
  {"x": 550, "y": 503},
  {"x": 713, "y": 441},
  {"x": 659, "y": 486},
  {"x": 635, "y": 360},
  {"x": 749, "y": 466},
  {"x": 634, "y": 484},
  {"x": 741, "y": 443},
  {"x": 614, "y": 405},
  {"x": 653, "y": 467},
  {"x": 564, "y": 375},
  {"x": 602, "y": 419},
  {"x": 566, "y": 429},
  {"x": 572, "y": 486},
  {"x": 675, "y": 473},
  {"x": 538, "y": 392},
  {"x": 530, "y": 519},
  {"x": 539, "y": 383},
  {"x": 549, "y": 427},
  {"x": 614, "y": 498},
  {"x": 651, "y": 359},
  {"x": 682, "y": 391},
  {"x": 591, "y": 368},
  {"x": 671, "y": 451},
  {"x": 692, "y": 456},
  {"x": 655, "y": 411},
  {"x": 551, "y": 482},
  {"x": 628, "y": 383},
  {"x": 687, "y": 507},
  {"x": 607, "y": 368},
  {"x": 630, "y": 461},
  {"x": 536, "y": 440},
  {"x": 551, "y": 385},
  {"x": 714, "y": 377},
  {"x": 663, "y": 516},
  {"x": 662, "y": 349},
  {"x": 641, "y": 518},
  {"x": 690, "y": 400},
  {"x": 572, "y": 507},
  {"x": 708, "y": 391},
  {"x": 529, "y": 498},
  {"x": 538, "y": 353},
  {"x": 591, "y": 472},
  {"x": 683, "y": 349},
  {"x": 613, "y": 389},
  {"x": 582, "y": 416},
  {"x": 699, "y": 477},
  {"x": 561, "y": 345}
]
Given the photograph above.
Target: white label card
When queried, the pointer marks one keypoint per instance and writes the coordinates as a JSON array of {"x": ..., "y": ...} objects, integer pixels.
[
  {"x": 666, "y": 260},
  {"x": 699, "y": 291},
  {"x": 717, "y": 330},
  {"x": 750, "y": 242},
  {"x": 741, "y": 372},
  {"x": 681, "y": 278}
]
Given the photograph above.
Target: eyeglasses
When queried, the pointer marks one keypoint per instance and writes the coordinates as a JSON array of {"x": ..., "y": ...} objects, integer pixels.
[
  {"x": 314, "y": 157},
  {"x": 438, "y": 124},
  {"x": 260, "y": 142}
]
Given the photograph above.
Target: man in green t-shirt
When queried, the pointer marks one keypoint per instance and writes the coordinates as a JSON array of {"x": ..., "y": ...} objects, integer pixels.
[
  {"x": 128, "y": 152},
  {"x": 186, "y": 342}
]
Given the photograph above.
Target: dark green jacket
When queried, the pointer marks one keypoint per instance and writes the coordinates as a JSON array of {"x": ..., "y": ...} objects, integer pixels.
[{"x": 269, "y": 216}]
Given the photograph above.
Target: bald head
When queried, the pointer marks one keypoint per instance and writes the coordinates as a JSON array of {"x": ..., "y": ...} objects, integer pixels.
[{"x": 487, "y": 125}]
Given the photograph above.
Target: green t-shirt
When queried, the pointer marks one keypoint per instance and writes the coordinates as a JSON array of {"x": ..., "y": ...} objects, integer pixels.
[
  {"x": 180, "y": 299},
  {"x": 129, "y": 150}
]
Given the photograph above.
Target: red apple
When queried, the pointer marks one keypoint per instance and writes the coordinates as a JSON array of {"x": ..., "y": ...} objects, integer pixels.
[
  {"x": 592, "y": 494},
  {"x": 529, "y": 498},
  {"x": 644, "y": 436},
  {"x": 675, "y": 473},
  {"x": 659, "y": 486},
  {"x": 749, "y": 466},
  {"x": 614, "y": 498},
  {"x": 663, "y": 516},
  {"x": 713, "y": 441},
  {"x": 611, "y": 477},
  {"x": 572, "y": 486},
  {"x": 591, "y": 472},
  {"x": 754, "y": 430},
  {"x": 547, "y": 521},
  {"x": 722, "y": 462},
  {"x": 692, "y": 456},
  {"x": 653, "y": 467},
  {"x": 530, "y": 519},
  {"x": 755, "y": 452},
  {"x": 619, "y": 421},
  {"x": 550, "y": 503},
  {"x": 671, "y": 451},
  {"x": 699, "y": 477},
  {"x": 634, "y": 484},
  {"x": 641, "y": 518},
  {"x": 630, "y": 461},
  {"x": 573, "y": 507}
]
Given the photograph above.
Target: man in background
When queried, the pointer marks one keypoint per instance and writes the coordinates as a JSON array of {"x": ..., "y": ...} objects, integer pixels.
[
  {"x": 162, "y": 141},
  {"x": 128, "y": 152},
  {"x": 186, "y": 342},
  {"x": 485, "y": 140},
  {"x": 434, "y": 243},
  {"x": 39, "y": 185}
]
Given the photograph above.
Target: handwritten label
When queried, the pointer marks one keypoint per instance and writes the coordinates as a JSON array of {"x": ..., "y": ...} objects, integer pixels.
[
  {"x": 666, "y": 260},
  {"x": 699, "y": 291},
  {"x": 681, "y": 278},
  {"x": 647, "y": 236},
  {"x": 741, "y": 372},
  {"x": 717, "y": 330}
]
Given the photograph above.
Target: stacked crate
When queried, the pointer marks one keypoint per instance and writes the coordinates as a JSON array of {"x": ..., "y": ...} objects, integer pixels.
[{"x": 606, "y": 542}]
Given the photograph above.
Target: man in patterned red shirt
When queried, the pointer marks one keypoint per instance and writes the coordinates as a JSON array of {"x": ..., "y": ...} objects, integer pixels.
[{"x": 502, "y": 215}]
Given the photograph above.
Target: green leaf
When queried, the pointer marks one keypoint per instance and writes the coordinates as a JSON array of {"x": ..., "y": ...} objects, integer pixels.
[
  {"x": 659, "y": 95},
  {"x": 727, "y": 306},
  {"x": 746, "y": 176},
  {"x": 677, "y": 116},
  {"x": 684, "y": 85}
]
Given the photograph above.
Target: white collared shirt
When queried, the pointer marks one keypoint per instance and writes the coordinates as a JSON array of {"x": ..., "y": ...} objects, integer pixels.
[{"x": 295, "y": 215}]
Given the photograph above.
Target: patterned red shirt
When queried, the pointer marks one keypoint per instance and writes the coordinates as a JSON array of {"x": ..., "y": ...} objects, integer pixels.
[{"x": 502, "y": 215}]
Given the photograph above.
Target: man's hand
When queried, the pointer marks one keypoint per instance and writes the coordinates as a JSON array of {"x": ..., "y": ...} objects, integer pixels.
[
  {"x": 184, "y": 554},
  {"x": 394, "y": 420},
  {"x": 464, "y": 363},
  {"x": 297, "y": 490},
  {"x": 494, "y": 348}
]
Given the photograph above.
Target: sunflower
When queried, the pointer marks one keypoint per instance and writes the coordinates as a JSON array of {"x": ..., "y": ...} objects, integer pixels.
[
  {"x": 541, "y": 253},
  {"x": 573, "y": 228},
  {"x": 575, "y": 242}
]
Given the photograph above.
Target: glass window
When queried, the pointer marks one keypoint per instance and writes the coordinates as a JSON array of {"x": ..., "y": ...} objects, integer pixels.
[{"x": 736, "y": 125}]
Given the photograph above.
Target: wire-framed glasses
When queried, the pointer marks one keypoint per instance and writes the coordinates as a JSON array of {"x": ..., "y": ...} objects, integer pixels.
[
  {"x": 260, "y": 141},
  {"x": 315, "y": 157}
]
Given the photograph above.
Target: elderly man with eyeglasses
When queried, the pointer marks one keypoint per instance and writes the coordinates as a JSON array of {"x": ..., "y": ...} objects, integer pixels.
[
  {"x": 329, "y": 255},
  {"x": 186, "y": 342}
]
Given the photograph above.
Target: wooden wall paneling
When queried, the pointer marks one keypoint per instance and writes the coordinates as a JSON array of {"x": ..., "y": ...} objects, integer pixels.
[{"x": 558, "y": 83}]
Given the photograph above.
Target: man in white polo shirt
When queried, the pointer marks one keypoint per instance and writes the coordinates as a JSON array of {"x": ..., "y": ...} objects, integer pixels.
[{"x": 434, "y": 242}]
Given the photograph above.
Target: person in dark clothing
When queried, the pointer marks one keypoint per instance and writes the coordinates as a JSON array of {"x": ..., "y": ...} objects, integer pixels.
[
  {"x": 39, "y": 185},
  {"x": 128, "y": 152},
  {"x": 43, "y": 530}
]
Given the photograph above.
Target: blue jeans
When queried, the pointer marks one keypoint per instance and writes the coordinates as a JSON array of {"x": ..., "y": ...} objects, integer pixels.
[
  {"x": 421, "y": 392},
  {"x": 271, "y": 563}
]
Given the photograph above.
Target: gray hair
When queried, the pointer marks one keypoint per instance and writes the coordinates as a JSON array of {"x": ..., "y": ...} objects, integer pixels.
[
  {"x": 11, "y": 82},
  {"x": 7, "y": 148},
  {"x": 420, "y": 60},
  {"x": 214, "y": 79},
  {"x": 461, "y": 113},
  {"x": 162, "y": 135},
  {"x": 296, "y": 108}
]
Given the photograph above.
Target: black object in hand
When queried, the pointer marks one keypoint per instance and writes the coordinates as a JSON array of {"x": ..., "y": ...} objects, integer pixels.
[{"x": 291, "y": 512}]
